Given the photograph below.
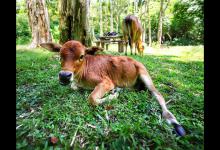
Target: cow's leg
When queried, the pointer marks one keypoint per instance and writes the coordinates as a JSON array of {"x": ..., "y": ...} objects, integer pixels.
[
  {"x": 95, "y": 98},
  {"x": 113, "y": 95},
  {"x": 74, "y": 86},
  {"x": 126, "y": 45},
  {"x": 142, "y": 53},
  {"x": 132, "y": 47},
  {"x": 135, "y": 49},
  {"x": 170, "y": 118}
]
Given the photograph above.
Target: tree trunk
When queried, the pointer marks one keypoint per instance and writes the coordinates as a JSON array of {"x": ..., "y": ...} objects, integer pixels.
[
  {"x": 149, "y": 24},
  {"x": 111, "y": 16},
  {"x": 160, "y": 24},
  {"x": 135, "y": 7},
  {"x": 119, "y": 7},
  {"x": 39, "y": 22},
  {"x": 117, "y": 23},
  {"x": 144, "y": 32},
  {"x": 92, "y": 33},
  {"x": 127, "y": 10},
  {"x": 74, "y": 21},
  {"x": 100, "y": 13},
  {"x": 143, "y": 20}
]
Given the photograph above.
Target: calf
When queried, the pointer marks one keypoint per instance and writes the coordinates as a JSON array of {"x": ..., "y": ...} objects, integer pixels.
[
  {"x": 132, "y": 32},
  {"x": 103, "y": 73}
]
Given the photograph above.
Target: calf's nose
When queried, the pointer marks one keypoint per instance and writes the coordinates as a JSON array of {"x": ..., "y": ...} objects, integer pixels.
[{"x": 65, "y": 76}]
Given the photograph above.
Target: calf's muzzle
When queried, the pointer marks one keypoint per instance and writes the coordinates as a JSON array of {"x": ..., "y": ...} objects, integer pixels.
[{"x": 65, "y": 77}]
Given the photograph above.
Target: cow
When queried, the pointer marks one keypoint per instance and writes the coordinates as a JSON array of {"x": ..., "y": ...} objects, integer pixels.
[
  {"x": 132, "y": 32},
  {"x": 104, "y": 73}
]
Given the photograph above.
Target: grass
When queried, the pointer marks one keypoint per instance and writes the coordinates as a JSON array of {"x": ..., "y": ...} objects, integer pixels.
[{"x": 44, "y": 108}]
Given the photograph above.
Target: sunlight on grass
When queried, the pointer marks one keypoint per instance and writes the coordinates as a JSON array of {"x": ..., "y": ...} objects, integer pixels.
[
  {"x": 40, "y": 51},
  {"x": 183, "y": 53}
]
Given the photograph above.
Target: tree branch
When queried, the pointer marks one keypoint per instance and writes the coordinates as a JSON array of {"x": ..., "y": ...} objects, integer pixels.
[
  {"x": 144, "y": 10},
  {"x": 166, "y": 5}
]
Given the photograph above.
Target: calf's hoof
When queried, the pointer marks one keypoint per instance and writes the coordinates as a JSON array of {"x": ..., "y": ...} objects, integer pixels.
[
  {"x": 93, "y": 102},
  {"x": 179, "y": 130}
]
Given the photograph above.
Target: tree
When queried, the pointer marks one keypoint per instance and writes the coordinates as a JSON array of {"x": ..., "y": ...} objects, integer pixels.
[
  {"x": 160, "y": 22},
  {"x": 111, "y": 16},
  {"x": 52, "y": 6},
  {"x": 143, "y": 18},
  {"x": 119, "y": 8},
  {"x": 39, "y": 22},
  {"x": 149, "y": 23},
  {"x": 135, "y": 7},
  {"x": 187, "y": 26},
  {"x": 74, "y": 21},
  {"x": 100, "y": 13}
]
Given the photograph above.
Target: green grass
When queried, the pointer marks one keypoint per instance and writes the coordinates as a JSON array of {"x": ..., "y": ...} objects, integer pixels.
[{"x": 44, "y": 108}]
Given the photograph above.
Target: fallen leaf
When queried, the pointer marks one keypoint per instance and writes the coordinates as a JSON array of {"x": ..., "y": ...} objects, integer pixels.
[
  {"x": 53, "y": 140},
  {"x": 109, "y": 107}
]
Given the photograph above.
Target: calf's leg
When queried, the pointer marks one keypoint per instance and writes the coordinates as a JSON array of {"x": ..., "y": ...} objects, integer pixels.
[
  {"x": 74, "y": 86},
  {"x": 170, "y": 118},
  {"x": 95, "y": 98}
]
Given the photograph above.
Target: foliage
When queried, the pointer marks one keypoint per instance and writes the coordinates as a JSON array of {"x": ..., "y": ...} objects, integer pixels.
[
  {"x": 52, "y": 6},
  {"x": 187, "y": 23},
  {"x": 183, "y": 20},
  {"x": 23, "y": 32},
  {"x": 44, "y": 108}
]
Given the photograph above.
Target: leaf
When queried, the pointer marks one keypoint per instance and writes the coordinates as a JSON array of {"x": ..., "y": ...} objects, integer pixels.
[
  {"x": 53, "y": 140},
  {"x": 109, "y": 107}
]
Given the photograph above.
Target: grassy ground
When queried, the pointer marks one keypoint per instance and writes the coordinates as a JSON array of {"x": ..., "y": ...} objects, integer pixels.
[{"x": 44, "y": 108}]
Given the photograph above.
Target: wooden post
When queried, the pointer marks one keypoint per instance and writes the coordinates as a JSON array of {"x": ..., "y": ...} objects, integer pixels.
[
  {"x": 97, "y": 43},
  {"x": 107, "y": 46},
  {"x": 103, "y": 44},
  {"x": 120, "y": 47}
]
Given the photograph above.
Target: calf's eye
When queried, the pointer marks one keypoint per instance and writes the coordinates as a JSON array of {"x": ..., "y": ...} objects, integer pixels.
[{"x": 81, "y": 57}]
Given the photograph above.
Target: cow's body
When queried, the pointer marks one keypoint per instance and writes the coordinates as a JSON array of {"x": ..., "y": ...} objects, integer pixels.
[
  {"x": 103, "y": 73},
  {"x": 122, "y": 71},
  {"x": 132, "y": 32}
]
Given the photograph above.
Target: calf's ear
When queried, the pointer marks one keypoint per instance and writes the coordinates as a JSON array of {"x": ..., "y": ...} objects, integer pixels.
[
  {"x": 92, "y": 50},
  {"x": 53, "y": 47}
]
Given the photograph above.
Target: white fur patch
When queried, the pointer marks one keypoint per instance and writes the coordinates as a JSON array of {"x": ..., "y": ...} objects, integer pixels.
[
  {"x": 107, "y": 98},
  {"x": 71, "y": 79},
  {"x": 161, "y": 101},
  {"x": 113, "y": 96},
  {"x": 74, "y": 86},
  {"x": 147, "y": 81},
  {"x": 171, "y": 118}
]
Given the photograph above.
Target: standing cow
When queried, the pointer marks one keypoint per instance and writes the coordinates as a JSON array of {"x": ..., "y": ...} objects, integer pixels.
[{"x": 132, "y": 32}]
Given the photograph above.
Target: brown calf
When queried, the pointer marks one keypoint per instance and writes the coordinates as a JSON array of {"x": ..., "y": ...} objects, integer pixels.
[
  {"x": 103, "y": 73},
  {"x": 132, "y": 32}
]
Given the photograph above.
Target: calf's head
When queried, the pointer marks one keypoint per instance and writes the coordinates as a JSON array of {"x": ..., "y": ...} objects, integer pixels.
[{"x": 72, "y": 55}]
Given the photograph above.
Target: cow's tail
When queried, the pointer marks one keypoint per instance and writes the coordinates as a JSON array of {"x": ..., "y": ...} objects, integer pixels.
[{"x": 128, "y": 28}]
